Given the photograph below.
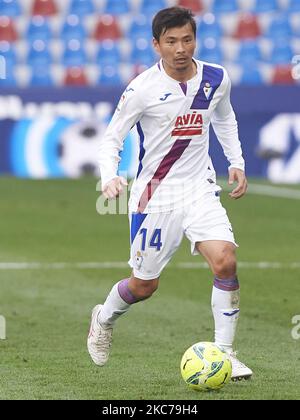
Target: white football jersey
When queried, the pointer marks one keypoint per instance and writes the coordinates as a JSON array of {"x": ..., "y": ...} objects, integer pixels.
[{"x": 172, "y": 121}]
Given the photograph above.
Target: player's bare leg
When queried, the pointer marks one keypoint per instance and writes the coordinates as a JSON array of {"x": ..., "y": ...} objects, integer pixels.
[
  {"x": 221, "y": 258},
  {"x": 123, "y": 294}
]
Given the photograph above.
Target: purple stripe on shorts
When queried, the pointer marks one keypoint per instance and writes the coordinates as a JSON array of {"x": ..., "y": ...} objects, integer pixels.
[
  {"x": 227, "y": 285},
  {"x": 125, "y": 293}
]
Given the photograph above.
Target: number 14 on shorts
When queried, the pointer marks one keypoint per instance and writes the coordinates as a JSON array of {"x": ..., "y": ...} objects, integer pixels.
[{"x": 152, "y": 238}]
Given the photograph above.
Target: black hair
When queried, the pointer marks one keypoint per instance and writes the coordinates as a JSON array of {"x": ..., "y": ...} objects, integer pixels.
[{"x": 172, "y": 17}]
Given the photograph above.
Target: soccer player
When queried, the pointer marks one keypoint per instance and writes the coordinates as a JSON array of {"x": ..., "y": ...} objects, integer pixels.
[{"x": 174, "y": 192}]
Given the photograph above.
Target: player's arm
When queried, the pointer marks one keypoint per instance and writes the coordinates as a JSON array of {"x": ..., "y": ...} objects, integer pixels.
[
  {"x": 226, "y": 129},
  {"x": 127, "y": 114}
]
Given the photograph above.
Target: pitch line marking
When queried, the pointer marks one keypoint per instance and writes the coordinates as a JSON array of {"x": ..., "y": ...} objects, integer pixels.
[
  {"x": 269, "y": 190},
  {"x": 262, "y": 265}
]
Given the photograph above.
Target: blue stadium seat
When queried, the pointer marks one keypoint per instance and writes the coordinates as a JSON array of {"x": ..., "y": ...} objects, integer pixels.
[
  {"x": 294, "y": 6},
  {"x": 280, "y": 28},
  {"x": 73, "y": 29},
  {"x": 282, "y": 53},
  {"x": 41, "y": 76},
  {"x": 39, "y": 54},
  {"x": 108, "y": 54},
  {"x": 263, "y": 6},
  {"x": 142, "y": 52},
  {"x": 109, "y": 75},
  {"x": 8, "y": 52},
  {"x": 38, "y": 28},
  {"x": 149, "y": 8},
  {"x": 140, "y": 28},
  {"x": 251, "y": 76},
  {"x": 249, "y": 53},
  {"x": 225, "y": 6},
  {"x": 81, "y": 7},
  {"x": 209, "y": 27},
  {"x": 211, "y": 51},
  {"x": 117, "y": 7},
  {"x": 10, "y": 8},
  {"x": 74, "y": 54}
]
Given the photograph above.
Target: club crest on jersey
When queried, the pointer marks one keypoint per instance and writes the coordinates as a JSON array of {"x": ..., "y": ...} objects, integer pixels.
[
  {"x": 207, "y": 90},
  {"x": 188, "y": 125}
]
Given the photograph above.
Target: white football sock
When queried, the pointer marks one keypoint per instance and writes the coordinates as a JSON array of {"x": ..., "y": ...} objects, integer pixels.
[
  {"x": 225, "y": 307},
  {"x": 117, "y": 303}
]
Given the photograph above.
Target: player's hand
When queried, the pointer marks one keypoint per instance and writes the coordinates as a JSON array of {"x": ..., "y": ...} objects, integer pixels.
[
  {"x": 114, "y": 187},
  {"x": 237, "y": 175}
]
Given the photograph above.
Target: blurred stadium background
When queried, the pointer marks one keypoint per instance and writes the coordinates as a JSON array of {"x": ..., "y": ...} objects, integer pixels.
[
  {"x": 63, "y": 67},
  {"x": 65, "y": 64}
]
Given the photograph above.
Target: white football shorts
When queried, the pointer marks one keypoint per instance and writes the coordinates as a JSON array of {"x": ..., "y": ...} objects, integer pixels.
[{"x": 155, "y": 237}]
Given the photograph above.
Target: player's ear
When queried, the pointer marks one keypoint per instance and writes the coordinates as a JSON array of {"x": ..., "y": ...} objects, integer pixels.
[{"x": 156, "y": 45}]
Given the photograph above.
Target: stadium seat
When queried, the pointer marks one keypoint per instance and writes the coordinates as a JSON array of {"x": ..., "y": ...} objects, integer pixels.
[
  {"x": 251, "y": 75},
  {"x": 74, "y": 54},
  {"x": 38, "y": 28},
  {"x": 209, "y": 27},
  {"x": 195, "y": 5},
  {"x": 7, "y": 29},
  {"x": 10, "y": 8},
  {"x": 75, "y": 76},
  {"x": 280, "y": 28},
  {"x": 249, "y": 53},
  {"x": 81, "y": 7},
  {"x": 142, "y": 52},
  {"x": 44, "y": 7},
  {"x": 294, "y": 6},
  {"x": 140, "y": 28},
  {"x": 283, "y": 75},
  {"x": 149, "y": 8},
  {"x": 41, "y": 76},
  {"x": 220, "y": 24},
  {"x": 117, "y": 7},
  {"x": 108, "y": 53},
  {"x": 7, "y": 51},
  {"x": 225, "y": 6},
  {"x": 39, "y": 54},
  {"x": 107, "y": 27},
  {"x": 211, "y": 52},
  {"x": 109, "y": 75},
  {"x": 248, "y": 27},
  {"x": 281, "y": 53},
  {"x": 73, "y": 29},
  {"x": 265, "y": 6}
]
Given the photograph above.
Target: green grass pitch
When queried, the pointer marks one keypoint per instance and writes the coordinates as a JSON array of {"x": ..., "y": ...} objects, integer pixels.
[{"x": 47, "y": 310}]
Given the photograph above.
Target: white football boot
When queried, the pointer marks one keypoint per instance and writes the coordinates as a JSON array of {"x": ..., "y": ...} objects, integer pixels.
[
  {"x": 239, "y": 370},
  {"x": 99, "y": 339}
]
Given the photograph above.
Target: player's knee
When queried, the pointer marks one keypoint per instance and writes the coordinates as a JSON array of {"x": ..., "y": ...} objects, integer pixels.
[{"x": 225, "y": 264}]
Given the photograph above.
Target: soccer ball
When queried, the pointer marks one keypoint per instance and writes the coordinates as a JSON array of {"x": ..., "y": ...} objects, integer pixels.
[{"x": 205, "y": 366}]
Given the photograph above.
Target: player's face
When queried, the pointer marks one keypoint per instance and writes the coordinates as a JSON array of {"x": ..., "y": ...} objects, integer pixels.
[{"x": 176, "y": 47}]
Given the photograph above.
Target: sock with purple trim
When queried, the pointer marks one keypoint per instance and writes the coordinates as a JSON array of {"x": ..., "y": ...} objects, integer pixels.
[
  {"x": 225, "y": 303},
  {"x": 117, "y": 303}
]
